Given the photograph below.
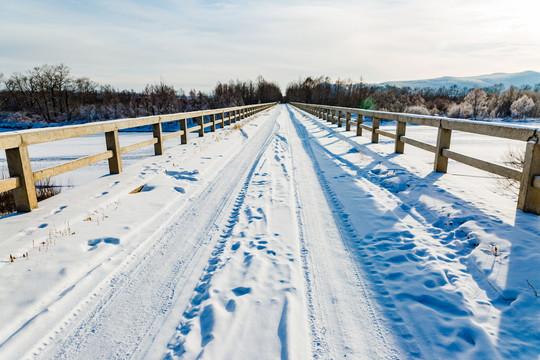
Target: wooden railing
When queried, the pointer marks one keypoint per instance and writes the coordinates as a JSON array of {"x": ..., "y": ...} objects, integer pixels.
[
  {"x": 529, "y": 178},
  {"x": 16, "y": 143}
]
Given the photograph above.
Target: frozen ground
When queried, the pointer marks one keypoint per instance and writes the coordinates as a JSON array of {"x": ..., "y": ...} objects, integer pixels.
[{"x": 288, "y": 238}]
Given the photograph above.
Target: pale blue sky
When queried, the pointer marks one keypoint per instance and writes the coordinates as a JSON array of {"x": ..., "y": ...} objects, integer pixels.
[{"x": 194, "y": 44}]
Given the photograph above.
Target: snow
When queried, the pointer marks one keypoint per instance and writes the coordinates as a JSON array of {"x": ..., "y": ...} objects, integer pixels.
[{"x": 285, "y": 238}]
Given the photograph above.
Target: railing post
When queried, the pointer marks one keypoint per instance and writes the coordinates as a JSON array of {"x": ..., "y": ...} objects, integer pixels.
[
  {"x": 213, "y": 126},
  {"x": 183, "y": 127},
  {"x": 359, "y": 120},
  {"x": 158, "y": 134},
  {"x": 529, "y": 196},
  {"x": 399, "y": 147},
  {"x": 348, "y": 122},
  {"x": 444, "y": 137},
  {"x": 339, "y": 124},
  {"x": 18, "y": 162},
  {"x": 113, "y": 143},
  {"x": 222, "y": 120},
  {"x": 233, "y": 119},
  {"x": 375, "y": 127},
  {"x": 200, "y": 121}
]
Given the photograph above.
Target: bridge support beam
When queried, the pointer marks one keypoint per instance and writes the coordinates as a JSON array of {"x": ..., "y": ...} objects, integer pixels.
[
  {"x": 529, "y": 195},
  {"x": 200, "y": 122},
  {"x": 399, "y": 147},
  {"x": 158, "y": 134},
  {"x": 213, "y": 126},
  {"x": 359, "y": 120},
  {"x": 183, "y": 127},
  {"x": 375, "y": 127},
  {"x": 18, "y": 162},
  {"x": 113, "y": 144},
  {"x": 443, "y": 142}
]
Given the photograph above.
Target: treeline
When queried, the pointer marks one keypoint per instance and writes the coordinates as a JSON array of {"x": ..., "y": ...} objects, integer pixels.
[
  {"x": 490, "y": 102},
  {"x": 51, "y": 94}
]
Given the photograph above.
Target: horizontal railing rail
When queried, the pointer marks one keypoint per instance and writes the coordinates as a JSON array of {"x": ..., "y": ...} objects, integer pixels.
[
  {"x": 529, "y": 177},
  {"x": 22, "y": 179}
]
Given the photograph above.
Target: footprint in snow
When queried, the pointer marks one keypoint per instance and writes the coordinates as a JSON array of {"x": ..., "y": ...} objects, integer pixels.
[
  {"x": 240, "y": 291},
  {"x": 93, "y": 243},
  {"x": 184, "y": 175},
  {"x": 231, "y": 306},
  {"x": 208, "y": 321},
  {"x": 97, "y": 196},
  {"x": 58, "y": 210}
]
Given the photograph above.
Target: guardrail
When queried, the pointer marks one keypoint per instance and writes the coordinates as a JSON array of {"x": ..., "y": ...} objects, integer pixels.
[
  {"x": 16, "y": 143},
  {"x": 529, "y": 178}
]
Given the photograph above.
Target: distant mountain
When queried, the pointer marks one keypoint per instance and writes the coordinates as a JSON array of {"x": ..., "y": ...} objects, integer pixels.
[{"x": 516, "y": 79}]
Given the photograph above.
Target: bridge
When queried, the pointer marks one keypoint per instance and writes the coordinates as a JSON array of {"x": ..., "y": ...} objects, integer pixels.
[{"x": 274, "y": 231}]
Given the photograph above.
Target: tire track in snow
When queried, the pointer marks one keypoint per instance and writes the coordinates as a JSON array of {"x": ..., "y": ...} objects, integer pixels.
[
  {"x": 153, "y": 280},
  {"x": 417, "y": 237},
  {"x": 201, "y": 291},
  {"x": 378, "y": 345},
  {"x": 248, "y": 303}
]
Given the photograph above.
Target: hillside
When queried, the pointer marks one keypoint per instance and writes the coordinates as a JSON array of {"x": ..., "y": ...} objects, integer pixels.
[{"x": 507, "y": 79}]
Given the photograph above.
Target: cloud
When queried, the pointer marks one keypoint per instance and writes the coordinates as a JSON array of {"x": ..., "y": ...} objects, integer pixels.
[{"x": 195, "y": 43}]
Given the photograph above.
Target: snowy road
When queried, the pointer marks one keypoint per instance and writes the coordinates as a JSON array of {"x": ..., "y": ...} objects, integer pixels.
[{"x": 282, "y": 238}]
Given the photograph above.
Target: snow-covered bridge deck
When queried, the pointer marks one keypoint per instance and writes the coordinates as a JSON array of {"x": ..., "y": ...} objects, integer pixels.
[{"x": 285, "y": 237}]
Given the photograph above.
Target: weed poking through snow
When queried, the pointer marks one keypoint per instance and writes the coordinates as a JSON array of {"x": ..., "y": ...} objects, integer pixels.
[{"x": 532, "y": 287}]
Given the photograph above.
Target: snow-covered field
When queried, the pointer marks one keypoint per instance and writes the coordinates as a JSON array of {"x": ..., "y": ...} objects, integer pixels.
[{"x": 288, "y": 238}]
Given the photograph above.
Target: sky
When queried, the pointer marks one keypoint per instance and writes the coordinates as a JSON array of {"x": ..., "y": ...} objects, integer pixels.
[{"x": 196, "y": 43}]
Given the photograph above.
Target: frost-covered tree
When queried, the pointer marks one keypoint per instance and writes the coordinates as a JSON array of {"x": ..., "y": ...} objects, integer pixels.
[
  {"x": 417, "y": 109},
  {"x": 463, "y": 110},
  {"x": 522, "y": 107},
  {"x": 477, "y": 98}
]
